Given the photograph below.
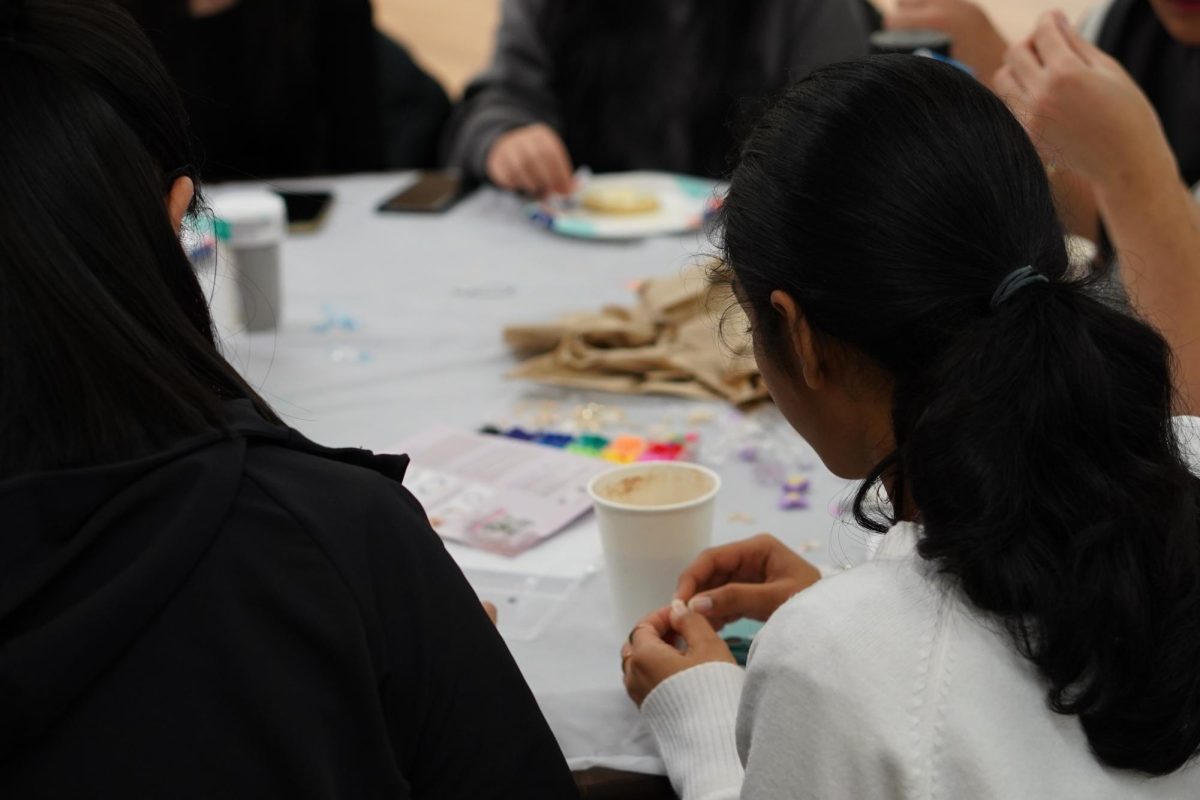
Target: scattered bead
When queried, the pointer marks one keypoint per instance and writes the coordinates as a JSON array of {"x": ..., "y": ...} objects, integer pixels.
[
  {"x": 793, "y": 501},
  {"x": 797, "y": 483}
]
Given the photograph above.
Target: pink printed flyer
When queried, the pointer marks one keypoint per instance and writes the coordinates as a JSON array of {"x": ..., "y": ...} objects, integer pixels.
[{"x": 494, "y": 493}]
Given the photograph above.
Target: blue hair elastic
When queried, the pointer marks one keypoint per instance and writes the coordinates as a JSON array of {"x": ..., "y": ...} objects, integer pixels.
[{"x": 1014, "y": 282}]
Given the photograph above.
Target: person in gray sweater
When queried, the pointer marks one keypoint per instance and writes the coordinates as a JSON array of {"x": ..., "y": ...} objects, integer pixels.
[{"x": 636, "y": 84}]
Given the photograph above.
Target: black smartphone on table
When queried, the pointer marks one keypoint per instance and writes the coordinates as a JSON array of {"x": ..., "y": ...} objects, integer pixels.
[{"x": 432, "y": 193}]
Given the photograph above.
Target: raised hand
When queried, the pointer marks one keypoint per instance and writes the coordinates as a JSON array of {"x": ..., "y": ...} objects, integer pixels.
[{"x": 1081, "y": 107}]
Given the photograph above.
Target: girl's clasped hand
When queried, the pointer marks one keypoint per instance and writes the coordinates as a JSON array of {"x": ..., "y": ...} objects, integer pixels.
[{"x": 749, "y": 579}]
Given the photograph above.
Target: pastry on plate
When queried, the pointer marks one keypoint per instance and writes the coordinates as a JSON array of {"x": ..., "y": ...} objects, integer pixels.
[{"x": 620, "y": 200}]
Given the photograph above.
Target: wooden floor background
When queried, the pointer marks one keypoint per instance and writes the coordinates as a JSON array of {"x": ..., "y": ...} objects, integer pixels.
[{"x": 453, "y": 38}]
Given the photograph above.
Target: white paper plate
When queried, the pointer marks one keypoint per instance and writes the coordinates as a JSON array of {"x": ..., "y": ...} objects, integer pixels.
[{"x": 685, "y": 203}]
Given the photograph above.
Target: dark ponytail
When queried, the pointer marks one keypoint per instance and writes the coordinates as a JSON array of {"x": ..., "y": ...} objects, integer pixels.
[
  {"x": 891, "y": 197},
  {"x": 107, "y": 348}
]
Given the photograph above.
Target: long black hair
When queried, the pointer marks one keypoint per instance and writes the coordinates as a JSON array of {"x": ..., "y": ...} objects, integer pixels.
[
  {"x": 107, "y": 348},
  {"x": 606, "y": 52},
  {"x": 890, "y": 197}
]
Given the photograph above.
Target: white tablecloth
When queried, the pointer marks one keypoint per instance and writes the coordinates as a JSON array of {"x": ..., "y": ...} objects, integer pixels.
[{"x": 428, "y": 296}]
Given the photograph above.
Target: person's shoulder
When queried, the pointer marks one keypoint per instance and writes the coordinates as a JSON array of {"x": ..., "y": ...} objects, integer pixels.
[
  {"x": 367, "y": 527},
  {"x": 1187, "y": 431},
  {"x": 312, "y": 467},
  {"x": 882, "y": 591},
  {"x": 852, "y": 657},
  {"x": 338, "y": 500},
  {"x": 873, "y": 614}
]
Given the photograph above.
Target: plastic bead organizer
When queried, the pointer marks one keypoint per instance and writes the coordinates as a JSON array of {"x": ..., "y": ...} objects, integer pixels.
[{"x": 622, "y": 449}]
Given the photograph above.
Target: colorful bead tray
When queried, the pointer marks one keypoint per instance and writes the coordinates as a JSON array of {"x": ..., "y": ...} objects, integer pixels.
[{"x": 623, "y": 449}]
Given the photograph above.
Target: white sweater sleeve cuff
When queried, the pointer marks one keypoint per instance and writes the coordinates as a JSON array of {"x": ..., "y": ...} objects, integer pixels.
[{"x": 693, "y": 716}]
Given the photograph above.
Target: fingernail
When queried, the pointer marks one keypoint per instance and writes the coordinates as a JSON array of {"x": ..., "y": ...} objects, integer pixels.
[
  {"x": 678, "y": 608},
  {"x": 701, "y": 604}
]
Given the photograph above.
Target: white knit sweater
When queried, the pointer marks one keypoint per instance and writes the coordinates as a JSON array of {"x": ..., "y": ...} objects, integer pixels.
[{"x": 882, "y": 682}]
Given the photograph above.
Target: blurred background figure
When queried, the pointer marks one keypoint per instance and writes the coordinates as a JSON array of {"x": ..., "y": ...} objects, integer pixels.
[
  {"x": 975, "y": 40},
  {"x": 295, "y": 87},
  {"x": 1156, "y": 41},
  {"x": 636, "y": 84}
]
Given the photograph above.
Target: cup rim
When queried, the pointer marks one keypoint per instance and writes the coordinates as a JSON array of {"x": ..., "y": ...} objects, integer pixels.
[{"x": 696, "y": 501}]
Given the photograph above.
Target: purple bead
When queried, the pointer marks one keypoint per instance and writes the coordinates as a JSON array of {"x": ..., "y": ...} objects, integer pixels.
[{"x": 793, "y": 501}]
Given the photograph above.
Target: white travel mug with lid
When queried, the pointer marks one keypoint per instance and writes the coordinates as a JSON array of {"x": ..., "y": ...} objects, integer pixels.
[{"x": 251, "y": 226}]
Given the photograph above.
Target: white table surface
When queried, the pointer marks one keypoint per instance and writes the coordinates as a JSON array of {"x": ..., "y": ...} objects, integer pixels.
[{"x": 429, "y": 295}]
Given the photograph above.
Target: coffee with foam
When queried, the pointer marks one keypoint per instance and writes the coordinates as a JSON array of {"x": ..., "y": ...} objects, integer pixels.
[{"x": 655, "y": 486}]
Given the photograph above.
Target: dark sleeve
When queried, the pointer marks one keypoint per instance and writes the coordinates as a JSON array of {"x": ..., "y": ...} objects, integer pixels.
[
  {"x": 463, "y": 722},
  {"x": 515, "y": 90},
  {"x": 415, "y": 108},
  {"x": 824, "y": 32},
  {"x": 871, "y": 15}
]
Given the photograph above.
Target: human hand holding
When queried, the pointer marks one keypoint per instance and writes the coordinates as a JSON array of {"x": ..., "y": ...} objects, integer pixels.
[
  {"x": 975, "y": 40},
  {"x": 490, "y": 610},
  {"x": 531, "y": 159},
  {"x": 1082, "y": 108},
  {"x": 750, "y": 578},
  {"x": 650, "y": 656}
]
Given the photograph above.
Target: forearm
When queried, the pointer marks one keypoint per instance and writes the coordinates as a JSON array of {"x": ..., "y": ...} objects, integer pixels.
[{"x": 1154, "y": 224}]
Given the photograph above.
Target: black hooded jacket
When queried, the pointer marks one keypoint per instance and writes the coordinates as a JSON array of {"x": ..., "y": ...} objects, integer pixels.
[{"x": 250, "y": 616}]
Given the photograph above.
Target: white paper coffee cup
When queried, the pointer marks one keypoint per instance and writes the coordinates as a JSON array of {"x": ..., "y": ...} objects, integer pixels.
[{"x": 655, "y": 518}]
